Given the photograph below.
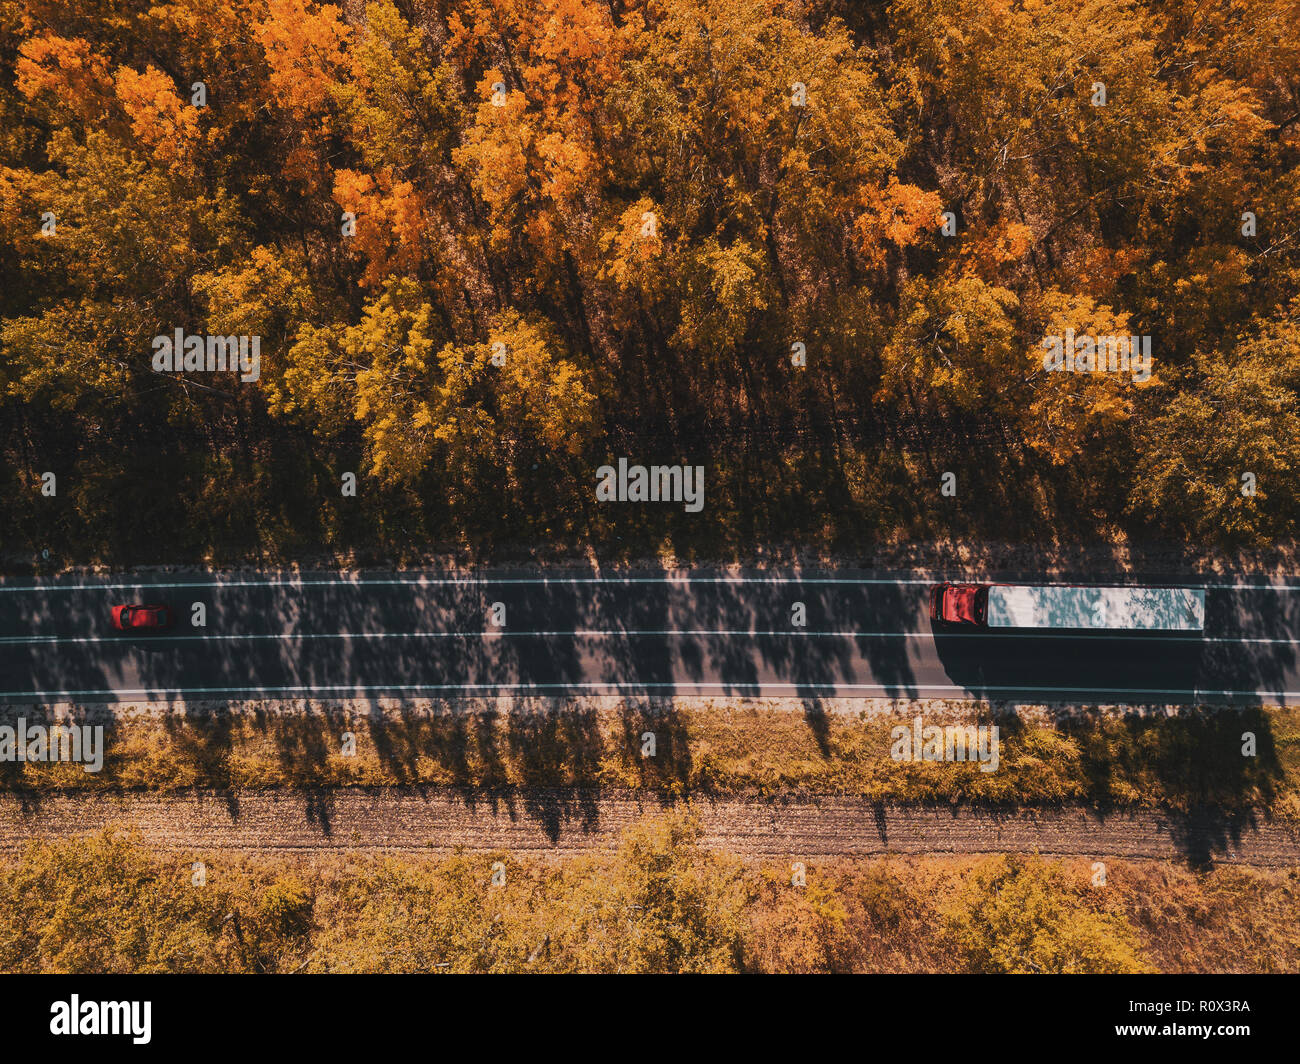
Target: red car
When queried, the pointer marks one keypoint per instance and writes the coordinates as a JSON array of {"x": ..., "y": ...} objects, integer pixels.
[
  {"x": 135, "y": 618},
  {"x": 959, "y": 604}
]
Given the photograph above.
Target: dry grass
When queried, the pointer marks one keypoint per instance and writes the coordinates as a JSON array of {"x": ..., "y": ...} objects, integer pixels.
[{"x": 1180, "y": 761}]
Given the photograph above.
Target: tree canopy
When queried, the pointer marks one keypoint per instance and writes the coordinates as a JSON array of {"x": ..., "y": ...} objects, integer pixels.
[{"x": 489, "y": 244}]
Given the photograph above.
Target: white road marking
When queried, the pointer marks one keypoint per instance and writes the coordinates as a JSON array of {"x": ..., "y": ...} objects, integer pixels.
[
  {"x": 624, "y": 688},
  {"x": 130, "y": 640},
  {"x": 357, "y": 583},
  {"x": 298, "y": 584}
]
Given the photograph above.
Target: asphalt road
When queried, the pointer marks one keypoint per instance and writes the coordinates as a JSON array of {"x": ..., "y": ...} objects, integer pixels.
[{"x": 691, "y": 632}]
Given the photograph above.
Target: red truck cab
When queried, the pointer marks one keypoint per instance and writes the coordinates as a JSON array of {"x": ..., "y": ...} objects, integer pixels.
[{"x": 960, "y": 604}]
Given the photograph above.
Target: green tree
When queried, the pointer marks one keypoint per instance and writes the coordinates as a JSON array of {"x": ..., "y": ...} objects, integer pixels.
[
  {"x": 1238, "y": 416},
  {"x": 1019, "y": 914},
  {"x": 665, "y": 904},
  {"x": 104, "y": 904}
]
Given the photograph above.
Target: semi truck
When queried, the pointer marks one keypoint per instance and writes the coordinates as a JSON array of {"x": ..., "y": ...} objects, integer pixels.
[{"x": 1067, "y": 607}]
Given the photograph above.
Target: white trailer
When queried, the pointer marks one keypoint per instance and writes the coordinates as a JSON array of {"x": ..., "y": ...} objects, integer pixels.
[{"x": 1148, "y": 609}]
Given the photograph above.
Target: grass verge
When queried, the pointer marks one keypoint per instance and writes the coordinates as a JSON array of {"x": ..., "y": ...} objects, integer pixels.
[{"x": 1177, "y": 759}]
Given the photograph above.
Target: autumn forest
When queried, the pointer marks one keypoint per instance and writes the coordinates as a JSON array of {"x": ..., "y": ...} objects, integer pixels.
[{"x": 817, "y": 247}]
